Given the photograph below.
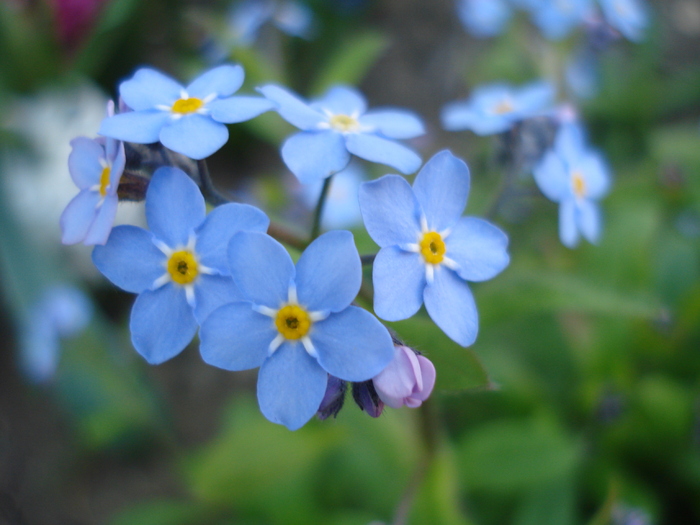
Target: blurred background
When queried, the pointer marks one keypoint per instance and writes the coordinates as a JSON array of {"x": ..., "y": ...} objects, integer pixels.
[{"x": 578, "y": 404}]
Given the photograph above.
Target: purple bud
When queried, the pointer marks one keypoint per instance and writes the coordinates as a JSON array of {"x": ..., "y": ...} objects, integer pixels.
[
  {"x": 367, "y": 399},
  {"x": 407, "y": 380},
  {"x": 333, "y": 399}
]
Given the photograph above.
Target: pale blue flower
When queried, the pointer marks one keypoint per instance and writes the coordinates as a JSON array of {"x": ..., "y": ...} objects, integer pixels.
[
  {"x": 557, "y": 18},
  {"x": 178, "y": 268},
  {"x": 629, "y": 17},
  {"x": 341, "y": 209},
  {"x": 496, "y": 107},
  {"x": 247, "y": 17},
  {"x": 428, "y": 250},
  {"x": 298, "y": 325},
  {"x": 336, "y": 126},
  {"x": 186, "y": 120},
  {"x": 484, "y": 18},
  {"x": 575, "y": 177}
]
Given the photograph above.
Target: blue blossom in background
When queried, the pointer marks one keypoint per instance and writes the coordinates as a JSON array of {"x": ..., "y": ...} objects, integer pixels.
[
  {"x": 496, "y": 107},
  {"x": 484, "y": 18},
  {"x": 428, "y": 250},
  {"x": 298, "y": 326},
  {"x": 247, "y": 17},
  {"x": 629, "y": 17},
  {"x": 582, "y": 74},
  {"x": 61, "y": 311},
  {"x": 336, "y": 126},
  {"x": 575, "y": 177},
  {"x": 186, "y": 120},
  {"x": 178, "y": 268},
  {"x": 95, "y": 167},
  {"x": 341, "y": 209},
  {"x": 557, "y": 18}
]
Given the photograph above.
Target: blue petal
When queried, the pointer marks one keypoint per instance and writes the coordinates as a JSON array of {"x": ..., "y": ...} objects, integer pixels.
[
  {"x": 596, "y": 175},
  {"x": 478, "y": 247},
  {"x": 390, "y": 211},
  {"x": 223, "y": 81},
  {"x": 291, "y": 385},
  {"x": 118, "y": 164},
  {"x": 213, "y": 291},
  {"x": 461, "y": 115},
  {"x": 196, "y": 136},
  {"x": 568, "y": 228},
  {"x": 484, "y": 18},
  {"x": 142, "y": 127},
  {"x": 552, "y": 178},
  {"x": 341, "y": 100},
  {"x": 78, "y": 216},
  {"x": 442, "y": 188},
  {"x": 239, "y": 109},
  {"x": 98, "y": 232},
  {"x": 234, "y": 337},
  {"x": 352, "y": 345},
  {"x": 533, "y": 98},
  {"x": 589, "y": 220},
  {"x": 291, "y": 108},
  {"x": 399, "y": 279},
  {"x": 149, "y": 88},
  {"x": 84, "y": 162},
  {"x": 451, "y": 306},
  {"x": 174, "y": 206},
  {"x": 313, "y": 156},
  {"x": 220, "y": 225},
  {"x": 570, "y": 144},
  {"x": 394, "y": 123},
  {"x": 162, "y": 323},
  {"x": 261, "y": 267},
  {"x": 329, "y": 272},
  {"x": 377, "y": 149},
  {"x": 130, "y": 259}
]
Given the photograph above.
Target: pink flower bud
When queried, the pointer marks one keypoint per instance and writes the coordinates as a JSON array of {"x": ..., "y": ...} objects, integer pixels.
[{"x": 407, "y": 380}]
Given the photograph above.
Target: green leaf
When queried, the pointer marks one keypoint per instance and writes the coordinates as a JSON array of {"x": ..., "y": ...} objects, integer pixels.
[{"x": 552, "y": 504}]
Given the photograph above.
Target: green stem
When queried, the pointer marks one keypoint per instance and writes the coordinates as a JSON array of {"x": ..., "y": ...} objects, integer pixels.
[{"x": 316, "y": 225}]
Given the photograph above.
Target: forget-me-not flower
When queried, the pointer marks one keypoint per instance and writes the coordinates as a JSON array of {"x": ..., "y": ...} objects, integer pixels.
[
  {"x": 95, "y": 165},
  {"x": 484, "y": 18},
  {"x": 408, "y": 380},
  {"x": 186, "y": 120},
  {"x": 496, "y": 107},
  {"x": 247, "y": 17},
  {"x": 298, "y": 325},
  {"x": 575, "y": 177},
  {"x": 556, "y": 18},
  {"x": 178, "y": 268},
  {"x": 339, "y": 124},
  {"x": 629, "y": 17},
  {"x": 428, "y": 250}
]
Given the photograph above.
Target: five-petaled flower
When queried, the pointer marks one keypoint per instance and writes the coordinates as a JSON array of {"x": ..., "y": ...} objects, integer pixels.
[
  {"x": 496, "y": 107},
  {"x": 178, "y": 268},
  {"x": 95, "y": 167},
  {"x": 339, "y": 124},
  {"x": 575, "y": 177},
  {"x": 407, "y": 380},
  {"x": 297, "y": 325},
  {"x": 428, "y": 249},
  {"x": 186, "y": 120}
]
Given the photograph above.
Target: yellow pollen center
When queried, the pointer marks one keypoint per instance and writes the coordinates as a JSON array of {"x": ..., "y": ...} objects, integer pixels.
[
  {"x": 503, "y": 107},
  {"x": 183, "y": 267},
  {"x": 293, "y": 322},
  {"x": 344, "y": 123},
  {"x": 104, "y": 180},
  {"x": 579, "y": 184},
  {"x": 432, "y": 248},
  {"x": 187, "y": 105}
]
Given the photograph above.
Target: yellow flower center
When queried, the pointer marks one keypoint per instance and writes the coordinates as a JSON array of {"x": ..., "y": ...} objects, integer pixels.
[
  {"x": 187, "y": 105},
  {"x": 183, "y": 267},
  {"x": 293, "y": 322},
  {"x": 432, "y": 248},
  {"x": 344, "y": 123},
  {"x": 104, "y": 180},
  {"x": 503, "y": 107},
  {"x": 578, "y": 183}
]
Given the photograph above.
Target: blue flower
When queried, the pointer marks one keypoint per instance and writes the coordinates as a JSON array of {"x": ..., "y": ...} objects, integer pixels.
[
  {"x": 298, "y": 326},
  {"x": 484, "y": 18},
  {"x": 428, "y": 249},
  {"x": 337, "y": 125},
  {"x": 179, "y": 268},
  {"x": 95, "y": 167},
  {"x": 629, "y": 17},
  {"x": 247, "y": 17},
  {"x": 496, "y": 107},
  {"x": 575, "y": 177},
  {"x": 556, "y": 18},
  {"x": 186, "y": 120}
]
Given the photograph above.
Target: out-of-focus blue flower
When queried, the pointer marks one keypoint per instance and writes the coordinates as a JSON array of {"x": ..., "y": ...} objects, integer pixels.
[
  {"x": 556, "y": 18},
  {"x": 408, "y": 380},
  {"x": 178, "y": 268},
  {"x": 298, "y": 326},
  {"x": 336, "y": 126},
  {"x": 496, "y": 107},
  {"x": 428, "y": 250},
  {"x": 575, "y": 177},
  {"x": 582, "y": 74},
  {"x": 95, "y": 167},
  {"x": 62, "y": 311},
  {"x": 247, "y": 17},
  {"x": 629, "y": 17},
  {"x": 341, "y": 209},
  {"x": 186, "y": 120},
  {"x": 484, "y": 18}
]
